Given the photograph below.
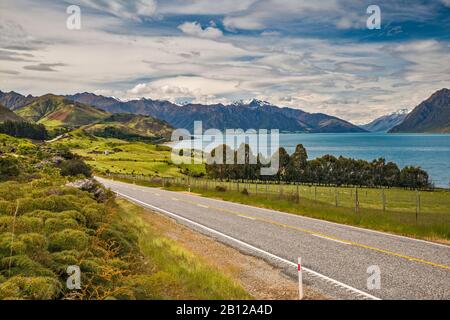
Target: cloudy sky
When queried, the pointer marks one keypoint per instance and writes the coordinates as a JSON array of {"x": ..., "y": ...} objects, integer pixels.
[{"x": 318, "y": 56}]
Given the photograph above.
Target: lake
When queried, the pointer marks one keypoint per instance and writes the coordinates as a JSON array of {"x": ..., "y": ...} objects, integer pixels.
[{"x": 429, "y": 151}]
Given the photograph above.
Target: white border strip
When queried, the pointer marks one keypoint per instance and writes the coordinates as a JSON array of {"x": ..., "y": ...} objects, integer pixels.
[{"x": 292, "y": 264}]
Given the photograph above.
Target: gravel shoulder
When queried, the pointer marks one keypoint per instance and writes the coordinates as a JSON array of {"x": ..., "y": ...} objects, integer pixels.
[{"x": 259, "y": 278}]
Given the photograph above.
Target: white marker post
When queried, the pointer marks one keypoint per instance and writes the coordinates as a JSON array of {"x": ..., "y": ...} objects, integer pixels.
[{"x": 300, "y": 279}]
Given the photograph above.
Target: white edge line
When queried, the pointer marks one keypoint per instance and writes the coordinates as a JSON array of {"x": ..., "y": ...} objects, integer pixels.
[
  {"x": 314, "y": 273},
  {"x": 299, "y": 216}
]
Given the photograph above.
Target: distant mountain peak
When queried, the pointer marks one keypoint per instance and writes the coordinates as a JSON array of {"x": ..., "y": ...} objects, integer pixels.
[
  {"x": 430, "y": 116},
  {"x": 252, "y": 103},
  {"x": 259, "y": 103},
  {"x": 401, "y": 111}
]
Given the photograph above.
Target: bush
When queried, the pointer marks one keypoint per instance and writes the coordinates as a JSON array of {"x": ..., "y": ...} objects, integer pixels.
[
  {"x": 68, "y": 240},
  {"x": 245, "y": 192},
  {"x": 75, "y": 167},
  {"x": 30, "y": 288},
  {"x": 22, "y": 265},
  {"x": 9, "y": 168},
  {"x": 35, "y": 243},
  {"x": 17, "y": 247},
  {"x": 221, "y": 189},
  {"x": 53, "y": 225},
  {"x": 22, "y": 224}
]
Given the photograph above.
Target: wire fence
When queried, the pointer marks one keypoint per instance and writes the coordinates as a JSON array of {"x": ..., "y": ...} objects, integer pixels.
[{"x": 356, "y": 198}]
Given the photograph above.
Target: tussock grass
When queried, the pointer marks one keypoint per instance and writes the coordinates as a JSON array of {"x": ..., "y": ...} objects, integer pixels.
[{"x": 177, "y": 273}]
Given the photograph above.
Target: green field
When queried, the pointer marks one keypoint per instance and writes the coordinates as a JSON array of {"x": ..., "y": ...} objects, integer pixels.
[{"x": 126, "y": 157}]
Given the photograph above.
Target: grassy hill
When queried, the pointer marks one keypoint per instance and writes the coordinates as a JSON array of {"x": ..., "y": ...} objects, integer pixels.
[
  {"x": 112, "y": 155},
  {"x": 56, "y": 111},
  {"x": 8, "y": 115},
  {"x": 131, "y": 127}
]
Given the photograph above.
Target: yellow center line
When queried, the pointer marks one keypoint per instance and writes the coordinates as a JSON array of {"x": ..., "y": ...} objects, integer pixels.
[{"x": 321, "y": 235}]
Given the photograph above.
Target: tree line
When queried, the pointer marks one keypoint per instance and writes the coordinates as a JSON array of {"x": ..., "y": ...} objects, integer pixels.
[
  {"x": 21, "y": 129},
  {"x": 326, "y": 170}
]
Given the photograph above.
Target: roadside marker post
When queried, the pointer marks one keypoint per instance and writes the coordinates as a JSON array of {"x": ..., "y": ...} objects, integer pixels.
[{"x": 300, "y": 279}]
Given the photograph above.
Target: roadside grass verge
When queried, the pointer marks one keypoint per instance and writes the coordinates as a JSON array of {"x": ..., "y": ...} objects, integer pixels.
[
  {"x": 433, "y": 226},
  {"x": 177, "y": 273}
]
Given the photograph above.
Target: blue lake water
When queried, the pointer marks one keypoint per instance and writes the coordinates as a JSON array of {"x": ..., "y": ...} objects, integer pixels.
[{"x": 429, "y": 151}]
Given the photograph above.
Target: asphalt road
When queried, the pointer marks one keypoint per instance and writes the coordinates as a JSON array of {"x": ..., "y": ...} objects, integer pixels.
[{"x": 337, "y": 259}]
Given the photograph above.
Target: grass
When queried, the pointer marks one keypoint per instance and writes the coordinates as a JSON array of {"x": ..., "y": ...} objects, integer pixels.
[
  {"x": 178, "y": 273},
  {"x": 126, "y": 157},
  {"x": 433, "y": 225},
  {"x": 399, "y": 216}
]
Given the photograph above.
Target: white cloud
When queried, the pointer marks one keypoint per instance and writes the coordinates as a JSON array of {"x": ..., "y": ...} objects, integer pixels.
[
  {"x": 137, "y": 10},
  {"x": 195, "y": 89},
  {"x": 195, "y": 29},
  {"x": 356, "y": 81}
]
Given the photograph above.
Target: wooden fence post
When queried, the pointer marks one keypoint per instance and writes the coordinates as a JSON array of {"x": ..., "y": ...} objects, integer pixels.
[{"x": 336, "y": 197}]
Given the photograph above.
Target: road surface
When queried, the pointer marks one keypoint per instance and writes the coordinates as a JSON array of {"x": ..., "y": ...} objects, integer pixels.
[{"x": 342, "y": 261}]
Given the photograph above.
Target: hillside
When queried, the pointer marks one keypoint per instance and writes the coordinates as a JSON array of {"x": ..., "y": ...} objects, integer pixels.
[
  {"x": 131, "y": 127},
  {"x": 56, "y": 111},
  {"x": 13, "y": 100},
  {"x": 432, "y": 115},
  {"x": 386, "y": 122},
  {"x": 8, "y": 115},
  {"x": 252, "y": 115}
]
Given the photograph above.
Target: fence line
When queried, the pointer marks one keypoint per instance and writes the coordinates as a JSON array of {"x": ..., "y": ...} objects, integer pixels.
[{"x": 345, "y": 197}]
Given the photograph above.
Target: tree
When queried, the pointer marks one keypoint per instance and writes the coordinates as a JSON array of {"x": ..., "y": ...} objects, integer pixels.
[
  {"x": 297, "y": 164},
  {"x": 283, "y": 160},
  {"x": 24, "y": 130},
  {"x": 414, "y": 178}
]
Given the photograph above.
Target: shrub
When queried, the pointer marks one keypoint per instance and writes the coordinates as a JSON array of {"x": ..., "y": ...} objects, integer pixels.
[
  {"x": 6, "y": 247},
  {"x": 245, "y": 192},
  {"x": 51, "y": 203},
  {"x": 221, "y": 189},
  {"x": 9, "y": 168},
  {"x": 22, "y": 224},
  {"x": 31, "y": 288},
  {"x": 6, "y": 208},
  {"x": 60, "y": 260},
  {"x": 53, "y": 225},
  {"x": 68, "y": 240},
  {"x": 94, "y": 214},
  {"x": 35, "y": 243},
  {"x": 22, "y": 265},
  {"x": 75, "y": 215},
  {"x": 75, "y": 167}
]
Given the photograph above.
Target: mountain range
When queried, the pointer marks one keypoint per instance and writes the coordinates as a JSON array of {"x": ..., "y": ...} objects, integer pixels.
[
  {"x": 8, "y": 115},
  {"x": 251, "y": 115},
  {"x": 160, "y": 117},
  {"x": 431, "y": 116},
  {"x": 56, "y": 111},
  {"x": 387, "y": 122}
]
